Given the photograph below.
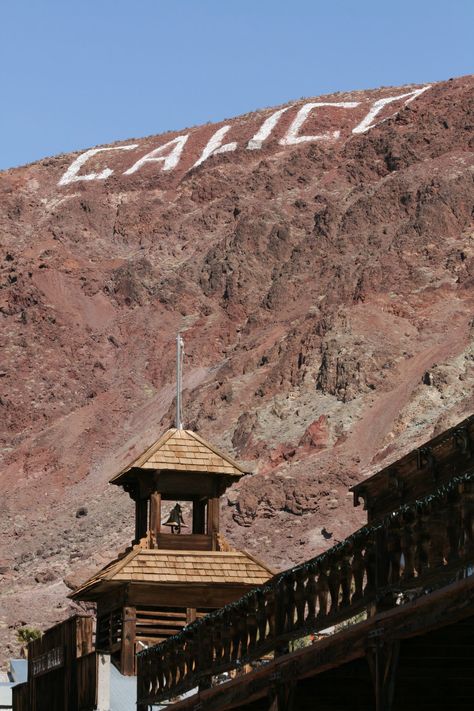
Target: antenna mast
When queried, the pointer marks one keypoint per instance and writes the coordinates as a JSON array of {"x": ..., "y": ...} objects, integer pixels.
[{"x": 179, "y": 375}]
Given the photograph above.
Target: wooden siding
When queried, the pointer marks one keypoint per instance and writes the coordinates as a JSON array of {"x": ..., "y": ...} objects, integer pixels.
[{"x": 62, "y": 669}]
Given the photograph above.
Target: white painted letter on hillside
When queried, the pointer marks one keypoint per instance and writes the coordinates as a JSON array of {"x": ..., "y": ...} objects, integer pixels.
[
  {"x": 265, "y": 130},
  {"x": 292, "y": 136},
  {"x": 159, "y": 155},
  {"x": 71, "y": 174},
  {"x": 377, "y": 107},
  {"x": 214, "y": 145}
]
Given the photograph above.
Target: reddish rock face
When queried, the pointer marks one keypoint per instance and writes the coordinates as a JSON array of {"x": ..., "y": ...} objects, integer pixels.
[{"x": 324, "y": 289}]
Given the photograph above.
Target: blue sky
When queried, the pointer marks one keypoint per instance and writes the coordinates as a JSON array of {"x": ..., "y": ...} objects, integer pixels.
[{"x": 77, "y": 73}]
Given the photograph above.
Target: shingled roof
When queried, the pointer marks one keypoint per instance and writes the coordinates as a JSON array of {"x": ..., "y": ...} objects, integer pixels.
[
  {"x": 168, "y": 567},
  {"x": 183, "y": 450}
]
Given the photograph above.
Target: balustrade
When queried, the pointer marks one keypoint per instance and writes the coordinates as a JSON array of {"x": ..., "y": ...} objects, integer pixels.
[{"x": 427, "y": 543}]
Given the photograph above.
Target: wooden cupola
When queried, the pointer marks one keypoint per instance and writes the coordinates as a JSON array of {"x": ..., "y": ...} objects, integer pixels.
[{"x": 180, "y": 466}]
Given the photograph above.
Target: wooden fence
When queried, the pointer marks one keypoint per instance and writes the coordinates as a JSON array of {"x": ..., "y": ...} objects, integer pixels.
[{"x": 425, "y": 544}]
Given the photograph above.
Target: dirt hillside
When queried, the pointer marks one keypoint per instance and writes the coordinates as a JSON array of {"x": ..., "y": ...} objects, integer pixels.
[{"x": 319, "y": 260}]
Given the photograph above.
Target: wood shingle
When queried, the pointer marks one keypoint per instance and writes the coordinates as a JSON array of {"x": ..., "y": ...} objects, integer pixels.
[{"x": 183, "y": 450}]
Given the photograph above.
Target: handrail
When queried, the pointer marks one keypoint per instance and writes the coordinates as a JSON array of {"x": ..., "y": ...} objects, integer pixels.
[{"x": 423, "y": 543}]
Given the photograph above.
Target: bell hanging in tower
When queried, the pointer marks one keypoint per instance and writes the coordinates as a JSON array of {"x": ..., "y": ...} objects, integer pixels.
[{"x": 175, "y": 519}]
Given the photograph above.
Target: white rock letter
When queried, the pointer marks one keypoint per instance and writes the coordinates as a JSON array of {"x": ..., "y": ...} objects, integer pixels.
[
  {"x": 169, "y": 160},
  {"x": 292, "y": 135},
  {"x": 377, "y": 107},
  {"x": 214, "y": 145},
  {"x": 71, "y": 174},
  {"x": 265, "y": 130}
]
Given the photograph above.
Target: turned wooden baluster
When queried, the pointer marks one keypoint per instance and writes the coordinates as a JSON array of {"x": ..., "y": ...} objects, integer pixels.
[
  {"x": 422, "y": 539},
  {"x": 262, "y": 618},
  {"x": 174, "y": 666},
  {"x": 162, "y": 675},
  {"x": 323, "y": 590},
  {"x": 147, "y": 677},
  {"x": 369, "y": 564},
  {"x": 187, "y": 656},
  {"x": 382, "y": 561},
  {"x": 235, "y": 633},
  {"x": 358, "y": 571},
  {"x": 300, "y": 596},
  {"x": 226, "y": 637},
  {"x": 192, "y": 653},
  {"x": 204, "y": 661},
  {"x": 216, "y": 641},
  {"x": 180, "y": 661},
  {"x": 437, "y": 531},
  {"x": 289, "y": 602},
  {"x": 468, "y": 521},
  {"x": 408, "y": 544},
  {"x": 167, "y": 668},
  {"x": 252, "y": 624},
  {"x": 346, "y": 575},
  {"x": 334, "y": 581},
  {"x": 394, "y": 550},
  {"x": 311, "y": 592},
  {"x": 271, "y": 614},
  {"x": 454, "y": 523},
  {"x": 243, "y": 629}
]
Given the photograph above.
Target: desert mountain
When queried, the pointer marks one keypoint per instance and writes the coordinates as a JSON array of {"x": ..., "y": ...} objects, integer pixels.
[{"x": 318, "y": 259}]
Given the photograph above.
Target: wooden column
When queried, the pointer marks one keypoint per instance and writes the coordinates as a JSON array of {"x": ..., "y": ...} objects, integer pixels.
[
  {"x": 141, "y": 516},
  {"x": 155, "y": 518},
  {"x": 127, "y": 657},
  {"x": 383, "y": 661},
  {"x": 213, "y": 515},
  {"x": 199, "y": 516}
]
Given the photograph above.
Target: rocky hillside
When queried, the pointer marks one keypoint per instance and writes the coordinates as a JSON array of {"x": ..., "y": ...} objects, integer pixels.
[{"x": 318, "y": 258}]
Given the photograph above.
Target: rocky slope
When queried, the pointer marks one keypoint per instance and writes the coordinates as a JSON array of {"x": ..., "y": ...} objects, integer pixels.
[{"x": 318, "y": 259}]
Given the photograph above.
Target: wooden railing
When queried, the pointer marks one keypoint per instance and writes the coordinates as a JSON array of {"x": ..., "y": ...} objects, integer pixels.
[{"x": 427, "y": 543}]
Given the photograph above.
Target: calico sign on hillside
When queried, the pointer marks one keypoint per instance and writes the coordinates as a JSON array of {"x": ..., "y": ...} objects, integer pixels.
[{"x": 291, "y": 125}]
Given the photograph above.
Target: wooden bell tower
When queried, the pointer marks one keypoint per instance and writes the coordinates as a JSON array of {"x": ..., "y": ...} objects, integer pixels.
[{"x": 166, "y": 580}]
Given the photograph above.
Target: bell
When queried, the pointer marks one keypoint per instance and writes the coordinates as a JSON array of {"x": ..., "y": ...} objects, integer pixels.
[{"x": 175, "y": 519}]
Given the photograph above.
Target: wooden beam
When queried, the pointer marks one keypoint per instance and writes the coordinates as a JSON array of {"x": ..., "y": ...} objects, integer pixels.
[
  {"x": 127, "y": 657},
  {"x": 188, "y": 595}
]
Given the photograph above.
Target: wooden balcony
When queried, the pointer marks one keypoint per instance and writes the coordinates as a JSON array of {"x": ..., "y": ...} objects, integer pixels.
[{"x": 420, "y": 547}]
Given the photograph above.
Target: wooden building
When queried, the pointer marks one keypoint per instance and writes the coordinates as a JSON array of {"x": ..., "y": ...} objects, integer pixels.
[
  {"x": 63, "y": 669},
  {"x": 167, "y": 580}
]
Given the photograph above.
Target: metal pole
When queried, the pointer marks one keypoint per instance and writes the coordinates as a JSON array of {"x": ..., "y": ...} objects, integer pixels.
[{"x": 179, "y": 361}]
